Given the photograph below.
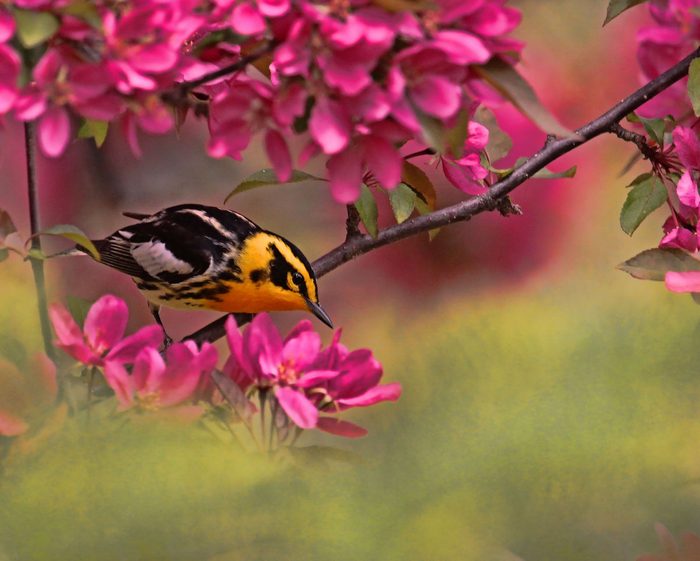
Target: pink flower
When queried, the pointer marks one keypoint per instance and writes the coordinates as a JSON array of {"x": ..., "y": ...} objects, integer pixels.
[
  {"x": 304, "y": 379},
  {"x": 683, "y": 282},
  {"x": 153, "y": 384},
  {"x": 660, "y": 46},
  {"x": 100, "y": 341},
  {"x": 467, "y": 173}
]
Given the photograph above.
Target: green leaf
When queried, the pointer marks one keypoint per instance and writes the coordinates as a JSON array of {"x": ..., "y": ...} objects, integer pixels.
[
  {"x": 544, "y": 173},
  {"x": 645, "y": 197},
  {"x": 616, "y": 7},
  {"x": 403, "y": 202},
  {"x": 500, "y": 143},
  {"x": 653, "y": 264},
  {"x": 96, "y": 130},
  {"x": 457, "y": 134},
  {"x": 433, "y": 131},
  {"x": 640, "y": 179},
  {"x": 423, "y": 208},
  {"x": 367, "y": 209},
  {"x": 72, "y": 233},
  {"x": 266, "y": 177},
  {"x": 513, "y": 87},
  {"x": 417, "y": 180},
  {"x": 85, "y": 10},
  {"x": 35, "y": 253},
  {"x": 655, "y": 129},
  {"x": 4, "y": 254},
  {"x": 694, "y": 85},
  {"x": 33, "y": 27}
]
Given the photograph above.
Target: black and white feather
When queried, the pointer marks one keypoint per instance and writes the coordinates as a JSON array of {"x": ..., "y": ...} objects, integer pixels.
[{"x": 178, "y": 244}]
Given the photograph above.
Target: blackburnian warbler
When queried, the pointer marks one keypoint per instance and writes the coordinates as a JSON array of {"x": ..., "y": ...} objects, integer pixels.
[{"x": 201, "y": 257}]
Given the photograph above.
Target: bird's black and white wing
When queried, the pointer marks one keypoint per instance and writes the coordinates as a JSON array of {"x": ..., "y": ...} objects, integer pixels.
[{"x": 175, "y": 244}]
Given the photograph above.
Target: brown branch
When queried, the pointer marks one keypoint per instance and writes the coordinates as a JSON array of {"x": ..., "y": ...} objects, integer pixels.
[
  {"x": 179, "y": 92},
  {"x": 460, "y": 212}
]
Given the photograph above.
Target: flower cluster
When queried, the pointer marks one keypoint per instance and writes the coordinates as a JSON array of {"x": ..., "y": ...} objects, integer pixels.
[
  {"x": 309, "y": 383},
  {"x": 354, "y": 79},
  {"x": 306, "y": 384},
  {"x": 153, "y": 382},
  {"x": 674, "y": 34},
  {"x": 362, "y": 81}
]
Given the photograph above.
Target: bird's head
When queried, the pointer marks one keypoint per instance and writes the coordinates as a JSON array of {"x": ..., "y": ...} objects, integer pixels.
[{"x": 276, "y": 276}]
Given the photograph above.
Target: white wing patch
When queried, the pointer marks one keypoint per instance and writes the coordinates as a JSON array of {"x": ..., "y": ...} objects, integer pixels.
[{"x": 155, "y": 258}]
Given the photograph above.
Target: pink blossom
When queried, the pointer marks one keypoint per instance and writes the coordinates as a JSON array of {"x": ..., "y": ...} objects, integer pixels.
[
  {"x": 9, "y": 74},
  {"x": 305, "y": 379},
  {"x": 101, "y": 339},
  {"x": 683, "y": 282},
  {"x": 467, "y": 173},
  {"x": 155, "y": 383},
  {"x": 660, "y": 46}
]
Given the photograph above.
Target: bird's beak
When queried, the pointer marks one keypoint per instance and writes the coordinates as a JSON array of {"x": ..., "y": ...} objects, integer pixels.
[{"x": 319, "y": 312}]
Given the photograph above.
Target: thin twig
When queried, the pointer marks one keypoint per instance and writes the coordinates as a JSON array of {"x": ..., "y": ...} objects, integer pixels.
[
  {"x": 463, "y": 211},
  {"x": 352, "y": 223},
  {"x": 630, "y": 136},
  {"x": 35, "y": 228},
  {"x": 179, "y": 92}
]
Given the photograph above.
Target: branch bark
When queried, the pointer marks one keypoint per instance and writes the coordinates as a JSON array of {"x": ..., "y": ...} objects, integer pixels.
[{"x": 463, "y": 211}]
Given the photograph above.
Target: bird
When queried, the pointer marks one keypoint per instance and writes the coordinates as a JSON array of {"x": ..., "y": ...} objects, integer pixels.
[{"x": 194, "y": 256}]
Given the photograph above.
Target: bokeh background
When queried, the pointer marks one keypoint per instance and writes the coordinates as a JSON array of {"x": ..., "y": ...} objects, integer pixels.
[{"x": 550, "y": 406}]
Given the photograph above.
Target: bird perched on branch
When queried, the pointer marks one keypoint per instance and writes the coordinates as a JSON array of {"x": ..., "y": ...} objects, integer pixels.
[{"x": 194, "y": 256}]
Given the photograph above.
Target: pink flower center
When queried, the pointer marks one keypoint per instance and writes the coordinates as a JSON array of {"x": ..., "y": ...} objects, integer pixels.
[{"x": 287, "y": 373}]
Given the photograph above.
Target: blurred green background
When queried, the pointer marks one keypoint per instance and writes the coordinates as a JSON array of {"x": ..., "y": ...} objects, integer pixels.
[{"x": 550, "y": 406}]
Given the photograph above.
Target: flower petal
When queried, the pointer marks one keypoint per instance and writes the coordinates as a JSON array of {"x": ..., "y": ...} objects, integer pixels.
[
  {"x": 683, "y": 282},
  {"x": 127, "y": 349},
  {"x": 345, "y": 171},
  {"x": 302, "y": 349},
  {"x": 340, "y": 427},
  {"x": 278, "y": 152},
  {"x": 384, "y": 161},
  {"x": 387, "y": 392},
  {"x": 437, "y": 96},
  {"x": 54, "y": 131},
  {"x": 119, "y": 380},
  {"x": 316, "y": 378},
  {"x": 105, "y": 322},
  {"x": 70, "y": 337},
  {"x": 688, "y": 191},
  {"x": 300, "y": 410},
  {"x": 329, "y": 126},
  {"x": 148, "y": 371}
]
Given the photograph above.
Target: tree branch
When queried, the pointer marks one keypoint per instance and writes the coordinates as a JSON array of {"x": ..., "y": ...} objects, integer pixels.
[
  {"x": 179, "y": 92},
  {"x": 463, "y": 211},
  {"x": 34, "y": 222}
]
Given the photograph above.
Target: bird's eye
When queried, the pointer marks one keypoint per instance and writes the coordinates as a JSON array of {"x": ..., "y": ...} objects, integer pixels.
[{"x": 297, "y": 278}]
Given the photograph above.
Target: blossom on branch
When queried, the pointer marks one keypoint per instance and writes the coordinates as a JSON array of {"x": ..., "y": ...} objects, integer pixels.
[
  {"x": 101, "y": 341},
  {"x": 307, "y": 381}
]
